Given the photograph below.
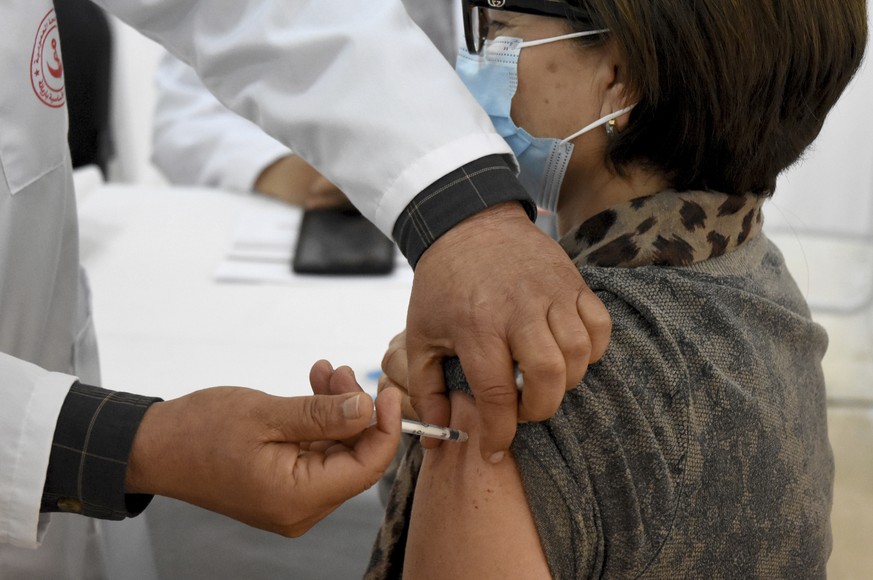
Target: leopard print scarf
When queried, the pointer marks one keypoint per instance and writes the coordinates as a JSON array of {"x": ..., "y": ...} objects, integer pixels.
[{"x": 669, "y": 228}]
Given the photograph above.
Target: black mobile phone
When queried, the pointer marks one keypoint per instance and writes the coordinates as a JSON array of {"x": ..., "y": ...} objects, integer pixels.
[{"x": 340, "y": 241}]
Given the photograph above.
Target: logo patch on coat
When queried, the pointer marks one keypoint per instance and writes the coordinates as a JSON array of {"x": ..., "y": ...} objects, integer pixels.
[{"x": 46, "y": 66}]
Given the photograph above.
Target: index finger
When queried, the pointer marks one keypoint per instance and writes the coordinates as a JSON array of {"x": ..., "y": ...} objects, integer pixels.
[
  {"x": 427, "y": 388},
  {"x": 488, "y": 367}
]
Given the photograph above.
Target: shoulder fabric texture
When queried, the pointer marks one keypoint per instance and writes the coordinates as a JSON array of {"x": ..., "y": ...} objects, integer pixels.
[{"x": 697, "y": 446}]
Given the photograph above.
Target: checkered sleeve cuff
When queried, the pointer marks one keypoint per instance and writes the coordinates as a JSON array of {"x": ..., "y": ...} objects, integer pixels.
[
  {"x": 88, "y": 461},
  {"x": 455, "y": 197}
]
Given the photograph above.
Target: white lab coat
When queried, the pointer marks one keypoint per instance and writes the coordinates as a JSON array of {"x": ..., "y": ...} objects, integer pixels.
[
  {"x": 353, "y": 87},
  {"x": 197, "y": 141}
]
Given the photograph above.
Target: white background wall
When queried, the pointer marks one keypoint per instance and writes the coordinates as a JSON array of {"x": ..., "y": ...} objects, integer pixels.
[
  {"x": 133, "y": 101},
  {"x": 831, "y": 188}
]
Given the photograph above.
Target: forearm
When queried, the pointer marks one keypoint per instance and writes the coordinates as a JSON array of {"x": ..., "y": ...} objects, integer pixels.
[{"x": 289, "y": 178}]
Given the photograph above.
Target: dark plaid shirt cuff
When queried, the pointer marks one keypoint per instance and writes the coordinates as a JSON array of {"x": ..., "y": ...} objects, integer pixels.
[
  {"x": 88, "y": 460},
  {"x": 450, "y": 200}
]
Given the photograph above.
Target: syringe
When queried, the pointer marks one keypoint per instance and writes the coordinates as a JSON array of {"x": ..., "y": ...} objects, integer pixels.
[{"x": 434, "y": 431}]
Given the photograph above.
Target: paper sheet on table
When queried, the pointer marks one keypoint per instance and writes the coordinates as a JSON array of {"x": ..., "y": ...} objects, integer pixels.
[{"x": 262, "y": 247}]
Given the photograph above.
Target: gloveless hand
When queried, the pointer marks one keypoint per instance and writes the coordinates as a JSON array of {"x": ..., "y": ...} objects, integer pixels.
[
  {"x": 294, "y": 181},
  {"x": 274, "y": 463},
  {"x": 493, "y": 290}
]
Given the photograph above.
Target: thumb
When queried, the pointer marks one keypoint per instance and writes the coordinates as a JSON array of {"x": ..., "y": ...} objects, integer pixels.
[{"x": 322, "y": 417}]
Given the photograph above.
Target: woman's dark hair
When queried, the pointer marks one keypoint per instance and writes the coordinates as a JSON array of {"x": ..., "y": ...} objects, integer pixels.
[{"x": 731, "y": 92}]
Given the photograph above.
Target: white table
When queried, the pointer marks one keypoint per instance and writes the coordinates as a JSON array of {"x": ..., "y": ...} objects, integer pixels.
[{"x": 167, "y": 328}]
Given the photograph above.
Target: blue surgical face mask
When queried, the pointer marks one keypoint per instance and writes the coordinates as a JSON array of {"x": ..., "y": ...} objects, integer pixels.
[{"x": 492, "y": 77}]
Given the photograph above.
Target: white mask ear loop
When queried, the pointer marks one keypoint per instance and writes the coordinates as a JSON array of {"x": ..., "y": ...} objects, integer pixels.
[
  {"x": 599, "y": 122},
  {"x": 562, "y": 37}
]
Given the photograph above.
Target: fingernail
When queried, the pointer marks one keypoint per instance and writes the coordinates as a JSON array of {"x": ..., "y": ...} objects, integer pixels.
[
  {"x": 497, "y": 457},
  {"x": 351, "y": 408}
]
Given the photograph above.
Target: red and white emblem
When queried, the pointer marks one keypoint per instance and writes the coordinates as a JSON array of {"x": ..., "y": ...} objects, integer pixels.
[{"x": 46, "y": 67}]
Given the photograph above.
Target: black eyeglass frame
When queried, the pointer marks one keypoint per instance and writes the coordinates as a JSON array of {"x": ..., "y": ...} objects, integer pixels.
[{"x": 552, "y": 8}]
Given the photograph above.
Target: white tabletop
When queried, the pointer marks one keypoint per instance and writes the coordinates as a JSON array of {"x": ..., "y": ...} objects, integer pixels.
[{"x": 166, "y": 327}]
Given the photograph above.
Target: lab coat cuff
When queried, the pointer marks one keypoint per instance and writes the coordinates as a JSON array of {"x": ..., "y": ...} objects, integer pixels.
[
  {"x": 88, "y": 463},
  {"x": 478, "y": 185},
  {"x": 28, "y": 419}
]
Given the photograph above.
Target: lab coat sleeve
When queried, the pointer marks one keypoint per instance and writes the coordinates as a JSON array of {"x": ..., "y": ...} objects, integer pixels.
[
  {"x": 355, "y": 88},
  {"x": 198, "y": 141},
  {"x": 28, "y": 415}
]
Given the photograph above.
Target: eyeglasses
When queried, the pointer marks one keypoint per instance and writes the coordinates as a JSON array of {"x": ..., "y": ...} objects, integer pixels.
[{"x": 476, "y": 22}]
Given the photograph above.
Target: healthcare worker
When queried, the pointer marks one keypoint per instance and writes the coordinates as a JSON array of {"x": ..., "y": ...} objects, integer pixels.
[
  {"x": 355, "y": 89},
  {"x": 197, "y": 141}
]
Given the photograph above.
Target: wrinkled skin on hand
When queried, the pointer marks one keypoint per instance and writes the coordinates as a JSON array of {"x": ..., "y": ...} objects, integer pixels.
[
  {"x": 275, "y": 463},
  {"x": 496, "y": 290}
]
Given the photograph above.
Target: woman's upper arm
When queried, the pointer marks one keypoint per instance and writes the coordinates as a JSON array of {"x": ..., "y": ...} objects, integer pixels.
[{"x": 470, "y": 518}]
